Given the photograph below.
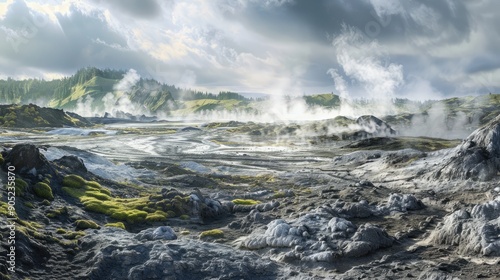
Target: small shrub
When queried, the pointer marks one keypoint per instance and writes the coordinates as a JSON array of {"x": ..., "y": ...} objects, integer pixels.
[{"x": 43, "y": 190}]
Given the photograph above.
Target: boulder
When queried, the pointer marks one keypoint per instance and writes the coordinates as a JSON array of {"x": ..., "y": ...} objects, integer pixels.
[
  {"x": 477, "y": 158},
  {"x": 474, "y": 232},
  {"x": 28, "y": 160}
]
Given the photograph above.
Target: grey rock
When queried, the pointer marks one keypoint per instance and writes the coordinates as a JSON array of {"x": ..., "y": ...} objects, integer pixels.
[
  {"x": 115, "y": 254},
  {"x": 403, "y": 203},
  {"x": 367, "y": 239},
  {"x": 477, "y": 158},
  {"x": 477, "y": 232},
  {"x": 162, "y": 233}
]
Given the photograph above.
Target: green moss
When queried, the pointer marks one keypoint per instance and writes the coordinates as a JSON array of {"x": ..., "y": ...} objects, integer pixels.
[
  {"x": 46, "y": 202},
  {"x": 279, "y": 194},
  {"x": 76, "y": 193},
  {"x": 43, "y": 190},
  {"x": 73, "y": 234},
  {"x": 245, "y": 201},
  {"x": 185, "y": 217},
  {"x": 21, "y": 186},
  {"x": 154, "y": 217},
  {"x": 74, "y": 181},
  {"x": 4, "y": 208},
  {"x": 117, "y": 225},
  {"x": 29, "y": 224},
  {"x": 29, "y": 204},
  {"x": 131, "y": 216},
  {"x": 214, "y": 233},
  {"x": 93, "y": 184},
  {"x": 171, "y": 214},
  {"x": 185, "y": 232},
  {"x": 57, "y": 212},
  {"x": 61, "y": 231},
  {"x": 1, "y": 159},
  {"x": 99, "y": 195},
  {"x": 85, "y": 224}
]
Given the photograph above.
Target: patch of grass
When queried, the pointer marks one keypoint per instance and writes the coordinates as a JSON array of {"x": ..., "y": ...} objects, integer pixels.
[
  {"x": 86, "y": 224},
  {"x": 116, "y": 225},
  {"x": 43, "y": 190},
  {"x": 245, "y": 201},
  {"x": 213, "y": 233}
]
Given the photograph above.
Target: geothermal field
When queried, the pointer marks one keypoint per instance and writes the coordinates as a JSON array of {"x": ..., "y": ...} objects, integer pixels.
[
  {"x": 249, "y": 139},
  {"x": 342, "y": 198}
]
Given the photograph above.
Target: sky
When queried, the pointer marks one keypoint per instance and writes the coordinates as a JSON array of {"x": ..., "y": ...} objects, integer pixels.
[{"x": 416, "y": 49}]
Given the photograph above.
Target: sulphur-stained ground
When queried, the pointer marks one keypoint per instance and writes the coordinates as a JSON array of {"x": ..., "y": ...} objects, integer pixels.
[{"x": 171, "y": 200}]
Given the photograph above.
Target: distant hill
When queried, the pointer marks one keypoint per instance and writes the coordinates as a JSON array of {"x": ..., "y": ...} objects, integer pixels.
[
  {"x": 98, "y": 89},
  {"x": 93, "y": 91}
]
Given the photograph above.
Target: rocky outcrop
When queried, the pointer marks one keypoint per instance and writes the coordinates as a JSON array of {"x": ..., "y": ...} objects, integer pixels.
[
  {"x": 477, "y": 158},
  {"x": 28, "y": 160},
  {"x": 473, "y": 232},
  {"x": 318, "y": 237},
  {"x": 115, "y": 254},
  {"x": 29, "y": 116}
]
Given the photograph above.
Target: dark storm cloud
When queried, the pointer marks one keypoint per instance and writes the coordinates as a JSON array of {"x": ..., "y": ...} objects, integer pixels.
[
  {"x": 77, "y": 40},
  {"x": 263, "y": 45}
]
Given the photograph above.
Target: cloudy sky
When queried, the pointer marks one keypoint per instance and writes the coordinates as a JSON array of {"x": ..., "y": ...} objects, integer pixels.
[{"x": 372, "y": 48}]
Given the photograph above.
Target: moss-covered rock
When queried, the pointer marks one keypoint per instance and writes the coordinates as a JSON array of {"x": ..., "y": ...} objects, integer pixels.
[
  {"x": 245, "y": 201},
  {"x": 86, "y": 224},
  {"x": 43, "y": 190},
  {"x": 213, "y": 233},
  {"x": 116, "y": 225},
  {"x": 21, "y": 186}
]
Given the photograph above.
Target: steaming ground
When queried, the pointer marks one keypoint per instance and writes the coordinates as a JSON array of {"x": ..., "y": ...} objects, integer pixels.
[{"x": 327, "y": 209}]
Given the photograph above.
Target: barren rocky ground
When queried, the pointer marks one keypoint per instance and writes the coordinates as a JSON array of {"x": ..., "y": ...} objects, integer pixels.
[{"x": 236, "y": 200}]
